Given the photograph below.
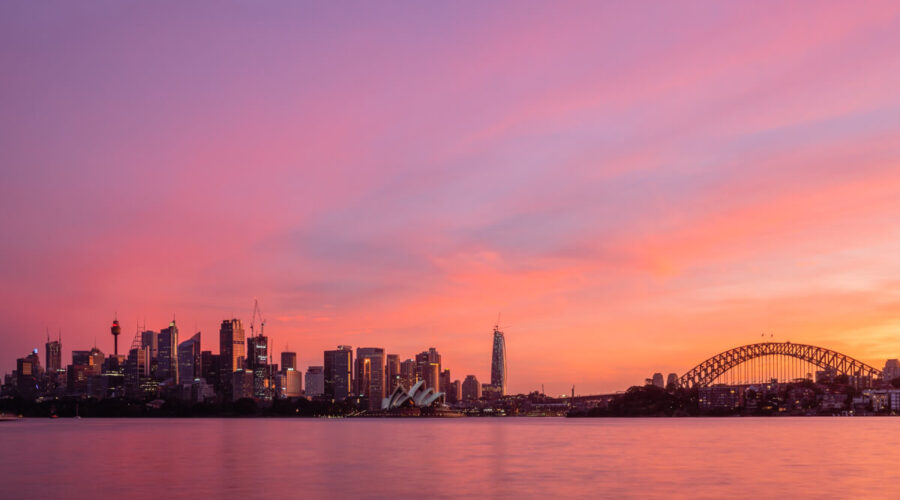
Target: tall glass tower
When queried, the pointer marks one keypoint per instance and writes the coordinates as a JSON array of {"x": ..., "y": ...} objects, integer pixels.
[{"x": 498, "y": 361}]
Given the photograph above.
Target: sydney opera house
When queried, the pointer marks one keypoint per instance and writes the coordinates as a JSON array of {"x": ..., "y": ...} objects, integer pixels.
[{"x": 418, "y": 396}]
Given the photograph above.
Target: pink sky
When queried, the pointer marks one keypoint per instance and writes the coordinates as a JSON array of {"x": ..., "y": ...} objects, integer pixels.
[{"x": 634, "y": 186}]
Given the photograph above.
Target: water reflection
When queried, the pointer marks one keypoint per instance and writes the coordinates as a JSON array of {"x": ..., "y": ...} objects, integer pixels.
[{"x": 511, "y": 457}]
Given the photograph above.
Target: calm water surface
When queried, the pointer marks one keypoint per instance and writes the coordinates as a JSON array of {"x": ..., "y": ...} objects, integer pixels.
[{"x": 474, "y": 457}]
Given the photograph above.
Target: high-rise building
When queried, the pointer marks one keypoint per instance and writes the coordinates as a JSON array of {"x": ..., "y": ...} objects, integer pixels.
[
  {"x": 288, "y": 360},
  {"x": 28, "y": 375},
  {"x": 167, "y": 355},
  {"x": 454, "y": 392},
  {"x": 258, "y": 363},
  {"x": 433, "y": 376},
  {"x": 444, "y": 383},
  {"x": 370, "y": 375},
  {"x": 409, "y": 373},
  {"x": 82, "y": 358},
  {"x": 92, "y": 361},
  {"x": 209, "y": 368},
  {"x": 150, "y": 339},
  {"x": 231, "y": 352},
  {"x": 471, "y": 388},
  {"x": 242, "y": 384},
  {"x": 292, "y": 386},
  {"x": 891, "y": 370},
  {"x": 498, "y": 361},
  {"x": 338, "y": 376},
  {"x": 671, "y": 380},
  {"x": 657, "y": 380},
  {"x": 315, "y": 381},
  {"x": 53, "y": 354},
  {"x": 428, "y": 365},
  {"x": 189, "y": 360},
  {"x": 137, "y": 370},
  {"x": 391, "y": 373}
]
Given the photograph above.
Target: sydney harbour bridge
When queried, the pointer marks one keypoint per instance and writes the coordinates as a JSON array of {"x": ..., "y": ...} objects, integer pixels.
[{"x": 784, "y": 361}]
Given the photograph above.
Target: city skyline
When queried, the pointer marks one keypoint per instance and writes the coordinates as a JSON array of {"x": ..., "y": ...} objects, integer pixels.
[{"x": 629, "y": 188}]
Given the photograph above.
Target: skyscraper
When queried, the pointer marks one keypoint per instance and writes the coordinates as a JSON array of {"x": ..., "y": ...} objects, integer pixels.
[
  {"x": 890, "y": 372},
  {"x": 211, "y": 368},
  {"x": 370, "y": 375},
  {"x": 189, "y": 360},
  {"x": 288, "y": 360},
  {"x": 658, "y": 380},
  {"x": 53, "y": 355},
  {"x": 137, "y": 370},
  {"x": 28, "y": 373},
  {"x": 167, "y": 358},
  {"x": 258, "y": 363},
  {"x": 454, "y": 392},
  {"x": 445, "y": 381},
  {"x": 471, "y": 388},
  {"x": 293, "y": 383},
  {"x": 428, "y": 366},
  {"x": 338, "y": 376},
  {"x": 231, "y": 352},
  {"x": 315, "y": 381},
  {"x": 498, "y": 361},
  {"x": 150, "y": 339},
  {"x": 391, "y": 373},
  {"x": 409, "y": 373}
]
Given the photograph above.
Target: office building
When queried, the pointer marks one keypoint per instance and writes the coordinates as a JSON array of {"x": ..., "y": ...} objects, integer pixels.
[
  {"x": 315, "y": 381},
  {"x": 288, "y": 360},
  {"x": 258, "y": 363},
  {"x": 209, "y": 369},
  {"x": 242, "y": 384},
  {"x": 444, "y": 381},
  {"x": 454, "y": 392},
  {"x": 150, "y": 339},
  {"x": 891, "y": 370},
  {"x": 471, "y": 388},
  {"x": 167, "y": 354},
  {"x": 370, "y": 375},
  {"x": 28, "y": 375},
  {"x": 409, "y": 373},
  {"x": 391, "y": 373},
  {"x": 498, "y": 361},
  {"x": 428, "y": 366},
  {"x": 292, "y": 383},
  {"x": 338, "y": 373},
  {"x": 53, "y": 354},
  {"x": 189, "y": 360},
  {"x": 231, "y": 352}
]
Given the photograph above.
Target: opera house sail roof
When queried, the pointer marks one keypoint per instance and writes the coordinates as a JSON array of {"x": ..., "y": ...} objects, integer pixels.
[{"x": 417, "y": 396}]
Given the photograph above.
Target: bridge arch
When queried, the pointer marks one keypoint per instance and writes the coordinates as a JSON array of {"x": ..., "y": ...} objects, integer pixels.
[{"x": 708, "y": 371}]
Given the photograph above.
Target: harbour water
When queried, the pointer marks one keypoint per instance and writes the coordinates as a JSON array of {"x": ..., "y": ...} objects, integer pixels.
[{"x": 453, "y": 458}]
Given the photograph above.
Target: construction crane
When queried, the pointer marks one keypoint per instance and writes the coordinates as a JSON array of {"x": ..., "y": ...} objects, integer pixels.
[{"x": 257, "y": 314}]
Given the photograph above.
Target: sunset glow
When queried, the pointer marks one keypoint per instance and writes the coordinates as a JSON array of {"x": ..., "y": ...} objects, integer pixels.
[{"x": 634, "y": 190}]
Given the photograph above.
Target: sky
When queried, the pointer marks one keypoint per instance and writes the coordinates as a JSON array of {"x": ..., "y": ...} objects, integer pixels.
[{"x": 633, "y": 186}]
